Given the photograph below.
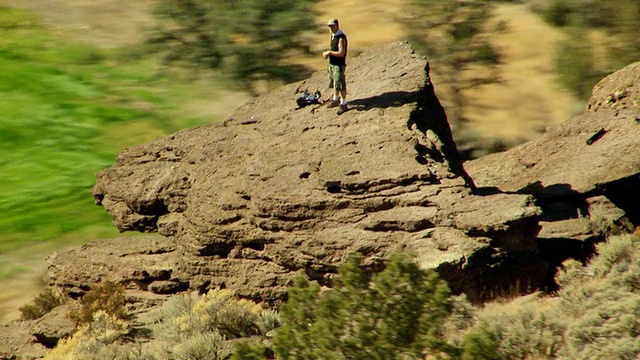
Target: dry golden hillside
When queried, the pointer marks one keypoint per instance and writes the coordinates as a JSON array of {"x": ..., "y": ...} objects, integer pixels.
[{"x": 527, "y": 100}]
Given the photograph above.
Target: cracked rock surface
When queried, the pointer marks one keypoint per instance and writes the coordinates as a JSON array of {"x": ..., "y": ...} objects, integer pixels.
[{"x": 275, "y": 190}]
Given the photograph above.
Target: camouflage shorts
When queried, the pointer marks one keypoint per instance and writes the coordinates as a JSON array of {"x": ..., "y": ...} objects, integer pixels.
[{"x": 337, "y": 79}]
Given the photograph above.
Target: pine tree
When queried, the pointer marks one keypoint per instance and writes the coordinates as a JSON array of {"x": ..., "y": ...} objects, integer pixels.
[
  {"x": 248, "y": 39},
  {"x": 397, "y": 313}
]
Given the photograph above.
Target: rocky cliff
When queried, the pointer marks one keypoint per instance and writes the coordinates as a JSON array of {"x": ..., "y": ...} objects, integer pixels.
[{"x": 276, "y": 190}]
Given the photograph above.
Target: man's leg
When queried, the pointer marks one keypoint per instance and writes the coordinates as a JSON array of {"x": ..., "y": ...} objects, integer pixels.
[
  {"x": 343, "y": 92},
  {"x": 343, "y": 96},
  {"x": 334, "y": 83}
]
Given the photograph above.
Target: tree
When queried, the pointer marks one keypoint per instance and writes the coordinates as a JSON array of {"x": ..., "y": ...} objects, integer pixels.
[
  {"x": 453, "y": 36},
  {"x": 395, "y": 314},
  {"x": 248, "y": 39},
  {"x": 576, "y": 63}
]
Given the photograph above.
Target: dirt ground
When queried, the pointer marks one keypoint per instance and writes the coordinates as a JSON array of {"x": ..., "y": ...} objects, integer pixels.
[{"x": 528, "y": 99}]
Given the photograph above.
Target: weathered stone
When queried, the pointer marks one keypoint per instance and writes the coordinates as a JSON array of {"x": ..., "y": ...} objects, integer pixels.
[
  {"x": 18, "y": 341},
  {"x": 584, "y": 174},
  {"x": 55, "y": 325},
  {"x": 274, "y": 190}
]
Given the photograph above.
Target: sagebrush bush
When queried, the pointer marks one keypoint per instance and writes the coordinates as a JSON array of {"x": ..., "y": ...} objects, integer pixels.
[
  {"x": 558, "y": 13},
  {"x": 206, "y": 345},
  {"x": 193, "y": 325},
  {"x": 525, "y": 331},
  {"x": 97, "y": 340},
  {"x": 575, "y": 64},
  {"x": 248, "y": 350},
  {"x": 107, "y": 296},
  {"x": 396, "y": 314},
  {"x": 46, "y": 301},
  {"x": 594, "y": 315},
  {"x": 608, "y": 329},
  {"x": 602, "y": 301},
  {"x": 481, "y": 343}
]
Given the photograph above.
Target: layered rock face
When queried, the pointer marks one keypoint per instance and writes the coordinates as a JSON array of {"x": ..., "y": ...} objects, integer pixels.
[
  {"x": 275, "y": 190},
  {"x": 584, "y": 174}
]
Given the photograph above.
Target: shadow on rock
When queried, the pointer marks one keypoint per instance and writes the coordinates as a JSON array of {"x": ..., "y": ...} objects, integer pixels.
[{"x": 383, "y": 101}]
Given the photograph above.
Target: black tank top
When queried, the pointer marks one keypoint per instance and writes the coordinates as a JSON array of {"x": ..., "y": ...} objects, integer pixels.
[{"x": 335, "y": 60}]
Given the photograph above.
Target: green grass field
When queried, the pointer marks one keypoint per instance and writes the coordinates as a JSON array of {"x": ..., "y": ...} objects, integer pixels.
[{"x": 65, "y": 111}]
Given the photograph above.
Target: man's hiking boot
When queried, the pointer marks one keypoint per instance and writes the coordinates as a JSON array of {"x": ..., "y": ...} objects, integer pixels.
[
  {"x": 333, "y": 103},
  {"x": 342, "y": 110}
]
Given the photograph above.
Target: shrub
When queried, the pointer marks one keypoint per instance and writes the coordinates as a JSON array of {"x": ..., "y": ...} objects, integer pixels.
[
  {"x": 207, "y": 345},
  {"x": 558, "y": 13},
  {"x": 486, "y": 53},
  {"x": 106, "y": 296},
  {"x": 397, "y": 313},
  {"x": 219, "y": 310},
  {"x": 481, "y": 343},
  {"x": 193, "y": 325},
  {"x": 525, "y": 331},
  {"x": 97, "y": 340},
  {"x": 594, "y": 315},
  {"x": 608, "y": 328},
  {"x": 248, "y": 350},
  {"x": 46, "y": 301},
  {"x": 602, "y": 301},
  {"x": 575, "y": 64}
]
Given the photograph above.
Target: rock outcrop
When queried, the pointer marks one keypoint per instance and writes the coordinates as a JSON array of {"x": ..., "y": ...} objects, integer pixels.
[
  {"x": 584, "y": 174},
  {"x": 276, "y": 190}
]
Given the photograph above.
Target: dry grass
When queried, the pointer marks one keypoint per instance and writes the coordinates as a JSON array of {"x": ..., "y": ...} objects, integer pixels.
[
  {"x": 103, "y": 23},
  {"x": 21, "y": 279},
  {"x": 529, "y": 99}
]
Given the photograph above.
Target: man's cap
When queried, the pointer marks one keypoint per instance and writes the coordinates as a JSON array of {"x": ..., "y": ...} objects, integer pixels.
[{"x": 332, "y": 22}]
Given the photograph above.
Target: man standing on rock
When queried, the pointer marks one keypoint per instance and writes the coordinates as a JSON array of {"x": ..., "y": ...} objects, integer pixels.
[{"x": 337, "y": 63}]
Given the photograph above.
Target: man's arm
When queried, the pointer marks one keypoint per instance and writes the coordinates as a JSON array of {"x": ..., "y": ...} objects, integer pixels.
[{"x": 342, "y": 48}]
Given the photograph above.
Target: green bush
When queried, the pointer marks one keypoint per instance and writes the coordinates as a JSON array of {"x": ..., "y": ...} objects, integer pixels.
[
  {"x": 575, "y": 64},
  {"x": 207, "y": 345},
  {"x": 481, "y": 344},
  {"x": 558, "y": 13},
  {"x": 487, "y": 54},
  {"x": 248, "y": 350},
  {"x": 398, "y": 313},
  {"x": 107, "y": 296},
  {"x": 42, "y": 304}
]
